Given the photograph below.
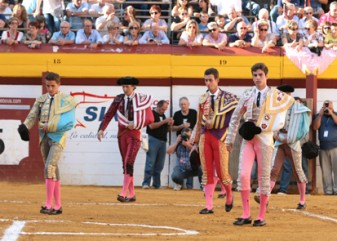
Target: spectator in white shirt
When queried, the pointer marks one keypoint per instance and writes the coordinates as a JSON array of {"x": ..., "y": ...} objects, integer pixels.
[{"x": 215, "y": 38}]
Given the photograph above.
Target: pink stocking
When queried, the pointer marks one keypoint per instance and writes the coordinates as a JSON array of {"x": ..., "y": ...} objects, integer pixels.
[
  {"x": 50, "y": 186},
  {"x": 209, "y": 191},
  {"x": 126, "y": 183},
  {"x": 245, "y": 203},
  {"x": 57, "y": 195},
  {"x": 131, "y": 188},
  {"x": 301, "y": 188},
  {"x": 263, "y": 207}
]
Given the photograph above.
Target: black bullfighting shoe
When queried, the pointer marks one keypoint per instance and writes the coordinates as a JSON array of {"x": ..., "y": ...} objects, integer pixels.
[
  {"x": 242, "y": 221},
  {"x": 258, "y": 223},
  {"x": 206, "y": 211},
  {"x": 56, "y": 212}
]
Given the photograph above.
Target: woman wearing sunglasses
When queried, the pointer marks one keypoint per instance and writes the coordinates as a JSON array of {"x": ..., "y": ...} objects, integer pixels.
[
  {"x": 215, "y": 38},
  {"x": 191, "y": 36},
  {"x": 313, "y": 39},
  {"x": 155, "y": 13},
  {"x": 133, "y": 36},
  {"x": 331, "y": 38},
  {"x": 293, "y": 38},
  {"x": 12, "y": 35},
  {"x": 113, "y": 36},
  {"x": 262, "y": 38},
  {"x": 308, "y": 13}
]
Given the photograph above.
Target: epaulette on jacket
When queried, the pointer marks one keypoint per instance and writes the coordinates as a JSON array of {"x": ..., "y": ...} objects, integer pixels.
[
  {"x": 119, "y": 98},
  {"x": 203, "y": 98}
]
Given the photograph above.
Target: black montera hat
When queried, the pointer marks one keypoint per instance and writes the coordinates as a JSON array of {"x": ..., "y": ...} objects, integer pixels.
[
  {"x": 24, "y": 132},
  {"x": 127, "y": 80},
  {"x": 248, "y": 130},
  {"x": 286, "y": 88}
]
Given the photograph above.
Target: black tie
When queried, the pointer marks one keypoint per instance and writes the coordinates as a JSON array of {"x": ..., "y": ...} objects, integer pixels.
[
  {"x": 128, "y": 107},
  {"x": 258, "y": 99},
  {"x": 212, "y": 102},
  {"x": 50, "y": 104}
]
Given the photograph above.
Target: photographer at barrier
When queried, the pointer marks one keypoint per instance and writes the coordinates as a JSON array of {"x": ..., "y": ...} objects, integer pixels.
[
  {"x": 188, "y": 162},
  {"x": 326, "y": 124}
]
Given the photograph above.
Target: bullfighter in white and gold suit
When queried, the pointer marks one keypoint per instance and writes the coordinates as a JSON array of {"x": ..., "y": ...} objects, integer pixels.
[{"x": 264, "y": 109}]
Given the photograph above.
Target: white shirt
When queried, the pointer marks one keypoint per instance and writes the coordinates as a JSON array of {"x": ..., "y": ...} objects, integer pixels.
[{"x": 262, "y": 96}]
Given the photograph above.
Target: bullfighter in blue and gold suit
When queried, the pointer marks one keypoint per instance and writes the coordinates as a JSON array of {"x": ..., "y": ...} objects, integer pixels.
[{"x": 55, "y": 113}]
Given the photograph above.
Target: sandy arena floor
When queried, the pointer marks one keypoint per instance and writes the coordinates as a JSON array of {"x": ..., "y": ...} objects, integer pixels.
[{"x": 93, "y": 213}]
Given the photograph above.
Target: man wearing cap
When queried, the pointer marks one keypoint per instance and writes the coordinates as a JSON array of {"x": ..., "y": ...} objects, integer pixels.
[
  {"x": 215, "y": 38},
  {"x": 55, "y": 113},
  {"x": 134, "y": 112},
  {"x": 214, "y": 112},
  {"x": 287, "y": 144},
  {"x": 266, "y": 108}
]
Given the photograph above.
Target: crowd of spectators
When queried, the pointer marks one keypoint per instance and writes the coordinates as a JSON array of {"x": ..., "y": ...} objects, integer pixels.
[{"x": 215, "y": 23}]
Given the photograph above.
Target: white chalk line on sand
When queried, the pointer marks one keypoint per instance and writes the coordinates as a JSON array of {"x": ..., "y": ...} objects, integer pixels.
[
  {"x": 312, "y": 215},
  {"x": 15, "y": 230}
]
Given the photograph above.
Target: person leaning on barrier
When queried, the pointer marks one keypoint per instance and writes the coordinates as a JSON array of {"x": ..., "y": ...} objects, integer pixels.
[
  {"x": 12, "y": 36},
  {"x": 154, "y": 36},
  {"x": 293, "y": 38},
  {"x": 33, "y": 39},
  {"x": 215, "y": 38},
  {"x": 331, "y": 39},
  {"x": 133, "y": 36},
  {"x": 64, "y": 36},
  {"x": 113, "y": 36},
  {"x": 241, "y": 38},
  {"x": 262, "y": 38},
  {"x": 191, "y": 36},
  {"x": 88, "y": 35},
  {"x": 326, "y": 124}
]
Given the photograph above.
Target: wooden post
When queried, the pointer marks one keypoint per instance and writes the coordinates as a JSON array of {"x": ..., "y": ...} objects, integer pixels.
[{"x": 311, "y": 97}]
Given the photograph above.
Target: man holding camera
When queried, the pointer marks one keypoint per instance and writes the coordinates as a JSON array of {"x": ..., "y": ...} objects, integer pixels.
[
  {"x": 187, "y": 161},
  {"x": 326, "y": 124}
]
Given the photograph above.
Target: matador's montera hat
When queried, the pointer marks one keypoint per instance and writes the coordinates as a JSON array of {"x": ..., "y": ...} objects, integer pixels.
[
  {"x": 248, "y": 130},
  {"x": 286, "y": 88},
  {"x": 128, "y": 80}
]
